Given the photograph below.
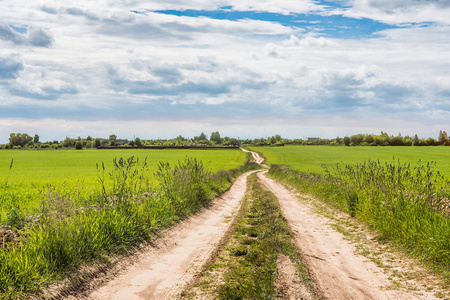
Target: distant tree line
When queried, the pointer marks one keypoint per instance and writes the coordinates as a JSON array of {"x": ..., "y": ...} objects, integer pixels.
[
  {"x": 389, "y": 140},
  {"x": 25, "y": 141}
]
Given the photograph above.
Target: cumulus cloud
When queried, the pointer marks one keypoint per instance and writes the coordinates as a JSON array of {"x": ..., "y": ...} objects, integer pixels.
[
  {"x": 206, "y": 77},
  {"x": 402, "y": 11},
  {"x": 41, "y": 83},
  {"x": 10, "y": 67},
  {"x": 308, "y": 41},
  {"x": 294, "y": 43},
  {"x": 34, "y": 36},
  {"x": 107, "y": 62}
]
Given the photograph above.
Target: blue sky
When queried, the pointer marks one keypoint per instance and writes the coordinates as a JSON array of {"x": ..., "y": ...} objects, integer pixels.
[
  {"x": 248, "y": 69},
  {"x": 330, "y": 26}
]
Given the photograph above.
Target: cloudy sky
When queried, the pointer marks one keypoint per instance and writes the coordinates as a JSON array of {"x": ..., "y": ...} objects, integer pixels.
[{"x": 249, "y": 68}]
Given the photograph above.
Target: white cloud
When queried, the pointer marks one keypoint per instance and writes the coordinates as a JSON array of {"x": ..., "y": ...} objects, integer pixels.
[
  {"x": 107, "y": 63},
  {"x": 34, "y": 36},
  {"x": 402, "y": 11},
  {"x": 10, "y": 67},
  {"x": 308, "y": 41}
]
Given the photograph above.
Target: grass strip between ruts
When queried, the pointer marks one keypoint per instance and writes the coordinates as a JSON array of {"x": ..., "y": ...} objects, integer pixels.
[{"x": 246, "y": 267}]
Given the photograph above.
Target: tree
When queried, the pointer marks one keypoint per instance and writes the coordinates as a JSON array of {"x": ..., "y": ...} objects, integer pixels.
[
  {"x": 357, "y": 139},
  {"x": 201, "y": 137},
  {"x": 19, "y": 139},
  {"x": 97, "y": 143},
  {"x": 68, "y": 142},
  {"x": 215, "y": 137},
  {"x": 36, "y": 139},
  {"x": 346, "y": 141},
  {"x": 78, "y": 145},
  {"x": 113, "y": 137},
  {"x": 416, "y": 140},
  {"x": 181, "y": 138},
  {"x": 431, "y": 142},
  {"x": 397, "y": 140},
  {"x": 369, "y": 139},
  {"x": 443, "y": 138},
  {"x": 138, "y": 142}
]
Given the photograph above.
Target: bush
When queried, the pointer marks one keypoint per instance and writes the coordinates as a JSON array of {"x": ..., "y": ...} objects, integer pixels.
[{"x": 78, "y": 145}]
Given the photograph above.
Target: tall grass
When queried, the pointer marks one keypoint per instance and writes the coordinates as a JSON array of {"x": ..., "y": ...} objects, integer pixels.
[
  {"x": 406, "y": 203},
  {"x": 126, "y": 211}
]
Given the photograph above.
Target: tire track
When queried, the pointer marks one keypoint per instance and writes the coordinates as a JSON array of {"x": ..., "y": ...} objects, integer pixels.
[
  {"x": 162, "y": 271},
  {"x": 338, "y": 273}
]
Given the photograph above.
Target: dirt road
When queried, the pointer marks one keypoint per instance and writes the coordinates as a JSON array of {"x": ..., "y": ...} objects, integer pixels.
[
  {"x": 162, "y": 271},
  {"x": 337, "y": 271},
  {"x": 256, "y": 157}
]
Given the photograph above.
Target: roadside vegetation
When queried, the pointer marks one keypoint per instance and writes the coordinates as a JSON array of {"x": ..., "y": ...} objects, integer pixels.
[
  {"x": 408, "y": 204},
  {"x": 126, "y": 209},
  {"x": 246, "y": 266}
]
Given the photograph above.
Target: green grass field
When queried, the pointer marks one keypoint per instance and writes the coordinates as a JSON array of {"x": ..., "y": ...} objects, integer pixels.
[
  {"x": 75, "y": 170},
  {"x": 309, "y": 159}
]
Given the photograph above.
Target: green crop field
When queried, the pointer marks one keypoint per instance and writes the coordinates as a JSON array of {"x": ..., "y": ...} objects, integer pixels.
[
  {"x": 33, "y": 172},
  {"x": 311, "y": 158},
  {"x": 62, "y": 209}
]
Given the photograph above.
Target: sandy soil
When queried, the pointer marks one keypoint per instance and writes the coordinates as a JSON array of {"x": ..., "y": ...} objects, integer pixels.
[
  {"x": 288, "y": 284},
  {"x": 337, "y": 271},
  {"x": 162, "y": 271},
  {"x": 257, "y": 159}
]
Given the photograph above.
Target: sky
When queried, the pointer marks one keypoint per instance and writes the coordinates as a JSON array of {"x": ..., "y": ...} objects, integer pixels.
[{"x": 247, "y": 68}]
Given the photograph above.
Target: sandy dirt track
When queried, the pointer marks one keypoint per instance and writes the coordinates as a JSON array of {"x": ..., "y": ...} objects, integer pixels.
[
  {"x": 256, "y": 158},
  {"x": 161, "y": 272},
  {"x": 336, "y": 270}
]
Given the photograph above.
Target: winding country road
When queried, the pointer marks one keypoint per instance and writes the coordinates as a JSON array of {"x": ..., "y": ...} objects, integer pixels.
[{"x": 163, "y": 269}]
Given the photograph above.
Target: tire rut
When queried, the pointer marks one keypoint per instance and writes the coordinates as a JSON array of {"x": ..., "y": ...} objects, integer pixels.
[
  {"x": 163, "y": 270},
  {"x": 337, "y": 272}
]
